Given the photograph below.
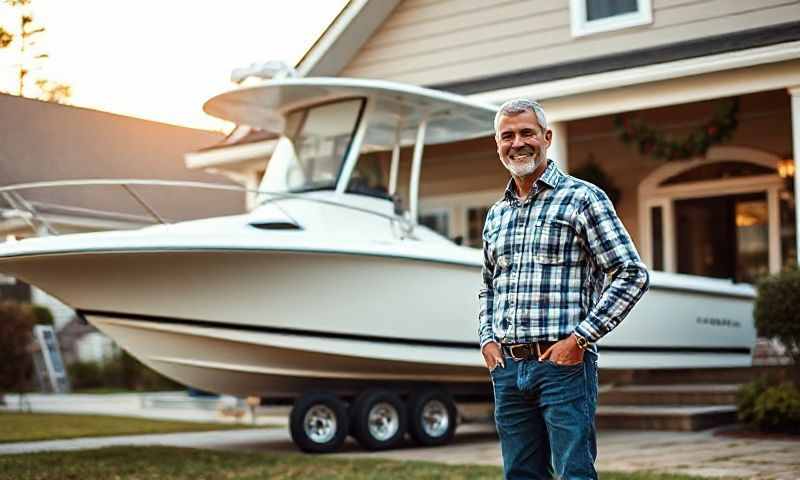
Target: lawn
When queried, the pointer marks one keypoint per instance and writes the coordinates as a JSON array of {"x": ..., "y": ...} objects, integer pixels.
[
  {"x": 162, "y": 463},
  {"x": 28, "y": 427}
]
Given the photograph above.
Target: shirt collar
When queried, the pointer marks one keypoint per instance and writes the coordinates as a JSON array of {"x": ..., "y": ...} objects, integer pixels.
[{"x": 550, "y": 177}]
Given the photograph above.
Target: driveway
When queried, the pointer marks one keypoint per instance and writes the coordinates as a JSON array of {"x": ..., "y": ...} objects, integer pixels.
[{"x": 697, "y": 453}]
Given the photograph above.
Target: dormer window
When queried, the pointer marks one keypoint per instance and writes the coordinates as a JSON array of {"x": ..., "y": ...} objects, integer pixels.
[{"x": 594, "y": 16}]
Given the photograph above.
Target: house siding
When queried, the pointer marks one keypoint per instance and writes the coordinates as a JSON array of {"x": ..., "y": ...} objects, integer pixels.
[{"x": 424, "y": 42}]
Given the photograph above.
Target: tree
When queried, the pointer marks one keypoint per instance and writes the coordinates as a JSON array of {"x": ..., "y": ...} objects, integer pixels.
[
  {"x": 30, "y": 55},
  {"x": 5, "y": 38},
  {"x": 16, "y": 335}
]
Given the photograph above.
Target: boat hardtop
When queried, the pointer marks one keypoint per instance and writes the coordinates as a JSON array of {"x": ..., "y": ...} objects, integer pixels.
[{"x": 451, "y": 117}]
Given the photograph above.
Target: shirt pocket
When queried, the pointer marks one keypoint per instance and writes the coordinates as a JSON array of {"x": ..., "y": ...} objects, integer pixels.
[{"x": 553, "y": 243}]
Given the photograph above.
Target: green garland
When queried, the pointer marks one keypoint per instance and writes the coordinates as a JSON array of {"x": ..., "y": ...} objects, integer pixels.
[
  {"x": 593, "y": 173},
  {"x": 662, "y": 146}
]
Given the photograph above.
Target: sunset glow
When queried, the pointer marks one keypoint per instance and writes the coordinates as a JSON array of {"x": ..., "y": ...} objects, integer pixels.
[{"x": 161, "y": 60}]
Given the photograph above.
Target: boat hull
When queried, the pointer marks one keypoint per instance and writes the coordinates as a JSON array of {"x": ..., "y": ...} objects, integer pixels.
[
  {"x": 280, "y": 365},
  {"x": 279, "y": 322}
]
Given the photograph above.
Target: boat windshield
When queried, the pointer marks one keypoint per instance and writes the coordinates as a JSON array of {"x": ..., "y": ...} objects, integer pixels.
[{"x": 310, "y": 154}]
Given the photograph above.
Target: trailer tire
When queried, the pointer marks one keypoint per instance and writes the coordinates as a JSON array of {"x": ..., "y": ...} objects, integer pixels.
[
  {"x": 432, "y": 417},
  {"x": 378, "y": 419},
  {"x": 319, "y": 423}
]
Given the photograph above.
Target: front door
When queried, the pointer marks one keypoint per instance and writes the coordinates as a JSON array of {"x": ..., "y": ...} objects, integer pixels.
[{"x": 723, "y": 237}]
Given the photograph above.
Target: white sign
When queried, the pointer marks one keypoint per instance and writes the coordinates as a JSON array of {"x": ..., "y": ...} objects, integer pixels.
[{"x": 48, "y": 345}]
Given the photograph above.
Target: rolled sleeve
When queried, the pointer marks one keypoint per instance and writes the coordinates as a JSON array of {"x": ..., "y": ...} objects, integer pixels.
[{"x": 486, "y": 292}]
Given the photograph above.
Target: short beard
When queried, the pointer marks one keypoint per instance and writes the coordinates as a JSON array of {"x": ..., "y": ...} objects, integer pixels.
[{"x": 523, "y": 170}]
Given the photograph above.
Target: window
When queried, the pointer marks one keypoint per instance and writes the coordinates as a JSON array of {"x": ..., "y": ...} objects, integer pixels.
[
  {"x": 459, "y": 216},
  {"x": 314, "y": 144},
  {"x": 371, "y": 175},
  {"x": 726, "y": 216},
  {"x": 718, "y": 171},
  {"x": 787, "y": 227},
  {"x": 476, "y": 216},
  {"x": 594, "y": 16},
  {"x": 657, "y": 232},
  {"x": 438, "y": 221}
]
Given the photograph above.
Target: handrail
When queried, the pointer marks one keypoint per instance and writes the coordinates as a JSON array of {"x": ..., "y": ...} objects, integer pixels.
[{"x": 8, "y": 190}]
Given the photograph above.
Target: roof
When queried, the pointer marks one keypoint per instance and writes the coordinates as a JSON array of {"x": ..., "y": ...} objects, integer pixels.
[
  {"x": 636, "y": 57},
  {"x": 345, "y": 35},
  {"x": 242, "y": 135},
  {"x": 360, "y": 19},
  {"x": 47, "y": 142}
]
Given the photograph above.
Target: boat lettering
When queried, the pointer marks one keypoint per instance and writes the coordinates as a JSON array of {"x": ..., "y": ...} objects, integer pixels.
[{"x": 719, "y": 322}]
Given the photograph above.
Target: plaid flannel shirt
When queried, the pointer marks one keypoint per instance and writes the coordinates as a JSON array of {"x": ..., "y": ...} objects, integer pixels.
[{"x": 561, "y": 261}]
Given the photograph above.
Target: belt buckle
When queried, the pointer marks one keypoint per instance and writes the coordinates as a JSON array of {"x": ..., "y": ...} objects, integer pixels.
[{"x": 521, "y": 346}]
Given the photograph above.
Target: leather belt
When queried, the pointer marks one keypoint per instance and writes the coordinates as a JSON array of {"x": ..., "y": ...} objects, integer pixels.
[{"x": 525, "y": 351}]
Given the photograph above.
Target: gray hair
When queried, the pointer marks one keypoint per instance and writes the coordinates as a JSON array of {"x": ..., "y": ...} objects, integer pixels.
[{"x": 516, "y": 106}]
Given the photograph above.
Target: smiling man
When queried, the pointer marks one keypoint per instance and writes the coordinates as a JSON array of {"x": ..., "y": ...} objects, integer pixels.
[{"x": 559, "y": 273}]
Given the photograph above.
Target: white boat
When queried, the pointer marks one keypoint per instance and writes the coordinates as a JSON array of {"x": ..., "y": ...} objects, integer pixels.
[{"x": 330, "y": 289}]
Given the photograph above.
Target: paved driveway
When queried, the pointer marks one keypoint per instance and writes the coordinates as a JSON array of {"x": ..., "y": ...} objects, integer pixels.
[
  {"x": 699, "y": 453},
  {"x": 691, "y": 453}
]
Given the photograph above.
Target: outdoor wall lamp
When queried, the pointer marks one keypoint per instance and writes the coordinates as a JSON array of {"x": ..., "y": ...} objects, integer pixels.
[{"x": 786, "y": 167}]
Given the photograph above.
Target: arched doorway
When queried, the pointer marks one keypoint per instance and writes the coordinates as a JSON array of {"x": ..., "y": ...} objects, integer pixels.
[{"x": 719, "y": 216}]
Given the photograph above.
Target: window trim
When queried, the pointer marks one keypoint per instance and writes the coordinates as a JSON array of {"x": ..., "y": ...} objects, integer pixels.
[
  {"x": 583, "y": 27},
  {"x": 651, "y": 194}
]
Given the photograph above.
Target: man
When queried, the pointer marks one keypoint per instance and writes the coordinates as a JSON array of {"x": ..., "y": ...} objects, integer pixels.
[{"x": 559, "y": 273}]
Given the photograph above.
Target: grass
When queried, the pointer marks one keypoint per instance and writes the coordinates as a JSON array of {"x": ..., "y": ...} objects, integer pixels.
[
  {"x": 161, "y": 463},
  {"x": 29, "y": 427},
  {"x": 103, "y": 391}
]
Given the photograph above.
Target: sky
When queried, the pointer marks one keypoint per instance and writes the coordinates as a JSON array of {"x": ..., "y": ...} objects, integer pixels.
[{"x": 161, "y": 59}]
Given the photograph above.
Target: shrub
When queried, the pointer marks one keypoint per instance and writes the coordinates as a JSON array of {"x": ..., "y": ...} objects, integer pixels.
[
  {"x": 774, "y": 408},
  {"x": 43, "y": 315},
  {"x": 86, "y": 375},
  {"x": 123, "y": 372},
  {"x": 777, "y": 311},
  {"x": 16, "y": 334}
]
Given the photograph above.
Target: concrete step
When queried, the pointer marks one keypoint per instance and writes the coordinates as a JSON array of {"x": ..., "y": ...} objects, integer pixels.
[
  {"x": 685, "y": 418},
  {"x": 694, "y": 376},
  {"x": 653, "y": 395}
]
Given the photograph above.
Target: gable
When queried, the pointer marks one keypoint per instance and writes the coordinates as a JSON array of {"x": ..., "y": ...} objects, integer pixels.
[{"x": 447, "y": 42}]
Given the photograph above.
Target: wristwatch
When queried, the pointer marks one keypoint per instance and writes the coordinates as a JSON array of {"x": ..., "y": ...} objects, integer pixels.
[{"x": 583, "y": 344}]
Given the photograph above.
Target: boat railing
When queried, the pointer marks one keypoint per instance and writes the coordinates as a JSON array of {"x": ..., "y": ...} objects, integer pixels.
[{"x": 32, "y": 211}]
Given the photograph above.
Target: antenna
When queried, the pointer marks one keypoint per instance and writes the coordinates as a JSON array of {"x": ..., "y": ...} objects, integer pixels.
[{"x": 266, "y": 71}]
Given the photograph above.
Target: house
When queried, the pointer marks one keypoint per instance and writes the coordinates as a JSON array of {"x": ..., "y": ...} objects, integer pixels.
[
  {"x": 690, "y": 110},
  {"x": 42, "y": 141}
]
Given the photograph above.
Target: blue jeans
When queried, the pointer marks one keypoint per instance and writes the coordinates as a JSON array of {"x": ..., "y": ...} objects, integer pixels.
[{"x": 545, "y": 418}]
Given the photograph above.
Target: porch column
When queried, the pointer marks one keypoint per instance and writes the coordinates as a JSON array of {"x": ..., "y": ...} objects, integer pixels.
[
  {"x": 558, "y": 149},
  {"x": 794, "y": 92}
]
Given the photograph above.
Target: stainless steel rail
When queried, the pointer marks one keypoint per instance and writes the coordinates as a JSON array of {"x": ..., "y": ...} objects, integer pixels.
[{"x": 11, "y": 194}]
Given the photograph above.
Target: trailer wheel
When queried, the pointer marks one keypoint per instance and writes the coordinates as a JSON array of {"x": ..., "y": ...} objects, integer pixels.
[
  {"x": 378, "y": 419},
  {"x": 432, "y": 417},
  {"x": 318, "y": 423}
]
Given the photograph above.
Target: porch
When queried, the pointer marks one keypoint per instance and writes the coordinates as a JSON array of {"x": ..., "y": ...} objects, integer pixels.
[{"x": 728, "y": 213}]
